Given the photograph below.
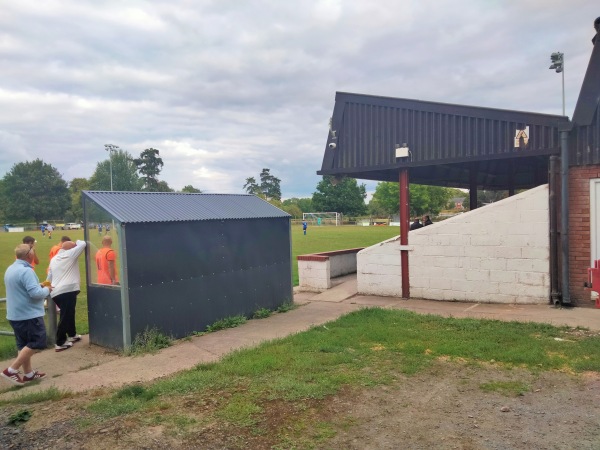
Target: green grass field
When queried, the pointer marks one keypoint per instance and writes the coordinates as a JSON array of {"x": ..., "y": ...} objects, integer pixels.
[{"x": 318, "y": 239}]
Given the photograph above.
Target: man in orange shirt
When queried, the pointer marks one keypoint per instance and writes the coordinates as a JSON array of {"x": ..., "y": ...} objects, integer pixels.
[
  {"x": 30, "y": 240},
  {"x": 106, "y": 259},
  {"x": 55, "y": 248}
]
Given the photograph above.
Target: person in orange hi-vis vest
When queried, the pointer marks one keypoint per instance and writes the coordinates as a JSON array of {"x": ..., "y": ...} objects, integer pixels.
[
  {"x": 106, "y": 259},
  {"x": 55, "y": 248}
]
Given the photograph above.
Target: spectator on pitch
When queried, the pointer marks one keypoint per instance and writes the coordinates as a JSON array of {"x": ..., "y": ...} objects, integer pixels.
[
  {"x": 65, "y": 278},
  {"x": 25, "y": 312},
  {"x": 427, "y": 221},
  {"x": 304, "y": 226}
]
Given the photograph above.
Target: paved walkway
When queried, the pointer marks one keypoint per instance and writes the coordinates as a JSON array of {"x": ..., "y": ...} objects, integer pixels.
[{"x": 86, "y": 367}]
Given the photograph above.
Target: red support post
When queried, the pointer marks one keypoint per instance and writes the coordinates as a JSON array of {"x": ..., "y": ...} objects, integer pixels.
[{"x": 404, "y": 227}]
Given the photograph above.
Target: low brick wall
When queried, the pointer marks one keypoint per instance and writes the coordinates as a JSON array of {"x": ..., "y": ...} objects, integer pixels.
[
  {"x": 495, "y": 254},
  {"x": 316, "y": 270}
]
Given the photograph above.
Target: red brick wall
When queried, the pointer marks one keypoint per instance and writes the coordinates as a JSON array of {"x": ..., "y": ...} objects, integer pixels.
[{"x": 579, "y": 230}]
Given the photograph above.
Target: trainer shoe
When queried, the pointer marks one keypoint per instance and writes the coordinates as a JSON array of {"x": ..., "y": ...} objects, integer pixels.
[
  {"x": 66, "y": 346},
  {"x": 36, "y": 376},
  {"x": 74, "y": 339},
  {"x": 14, "y": 378}
]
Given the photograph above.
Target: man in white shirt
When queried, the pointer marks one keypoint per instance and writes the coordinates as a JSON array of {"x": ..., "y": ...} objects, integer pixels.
[{"x": 65, "y": 278}]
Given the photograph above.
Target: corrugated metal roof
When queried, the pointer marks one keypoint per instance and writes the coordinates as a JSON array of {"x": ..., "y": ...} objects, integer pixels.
[
  {"x": 589, "y": 96},
  {"x": 584, "y": 142},
  {"x": 445, "y": 141},
  {"x": 136, "y": 207}
]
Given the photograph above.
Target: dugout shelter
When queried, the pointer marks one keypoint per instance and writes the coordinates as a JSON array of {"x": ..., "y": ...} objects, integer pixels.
[{"x": 183, "y": 261}]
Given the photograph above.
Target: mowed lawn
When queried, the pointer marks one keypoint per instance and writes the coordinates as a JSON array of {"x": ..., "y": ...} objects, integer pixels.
[{"x": 317, "y": 239}]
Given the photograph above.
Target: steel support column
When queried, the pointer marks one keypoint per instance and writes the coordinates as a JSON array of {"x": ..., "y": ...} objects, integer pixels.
[
  {"x": 564, "y": 219},
  {"x": 404, "y": 227},
  {"x": 473, "y": 174},
  {"x": 553, "y": 211}
]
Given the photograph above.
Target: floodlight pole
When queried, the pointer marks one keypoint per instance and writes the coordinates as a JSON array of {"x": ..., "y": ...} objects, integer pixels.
[
  {"x": 558, "y": 65},
  {"x": 563, "y": 86},
  {"x": 110, "y": 162},
  {"x": 110, "y": 148}
]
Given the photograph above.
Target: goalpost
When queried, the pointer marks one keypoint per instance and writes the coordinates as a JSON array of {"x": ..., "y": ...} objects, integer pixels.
[{"x": 323, "y": 218}]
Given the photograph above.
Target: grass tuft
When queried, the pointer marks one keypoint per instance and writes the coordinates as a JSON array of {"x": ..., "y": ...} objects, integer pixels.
[
  {"x": 287, "y": 306},
  {"x": 135, "y": 391},
  {"x": 227, "y": 322},
  {"x": 149, "y": 341},
  {"x": 50, "y": 394},
  {"x": 262, "y": 313},
  {"x": 507, "y": 388}
]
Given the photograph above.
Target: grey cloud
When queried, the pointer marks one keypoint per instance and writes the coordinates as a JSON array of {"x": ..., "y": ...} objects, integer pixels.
[{"x": 225, "y": 88}]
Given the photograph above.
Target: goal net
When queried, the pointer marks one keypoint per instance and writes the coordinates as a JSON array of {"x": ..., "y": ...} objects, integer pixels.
[{"x": 323, "y": 218}]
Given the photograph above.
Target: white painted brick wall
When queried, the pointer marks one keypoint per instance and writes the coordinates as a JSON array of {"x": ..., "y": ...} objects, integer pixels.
[
  {"x": 314, "y": 275},
  {"x": 495, "y": 254}
]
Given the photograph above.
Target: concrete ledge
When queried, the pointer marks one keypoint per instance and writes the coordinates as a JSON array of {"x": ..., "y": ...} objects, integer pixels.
[{"x": 316, "y": 270}]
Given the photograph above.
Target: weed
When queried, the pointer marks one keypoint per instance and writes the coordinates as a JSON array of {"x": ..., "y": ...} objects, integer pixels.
[
  {"x": 21, "y": 416},
  {"x": 149, "y": 341},
  {"x": 287, "y": 306},
  {"x": 262, "y": 313},
  {"x": 227, "y": 322}
]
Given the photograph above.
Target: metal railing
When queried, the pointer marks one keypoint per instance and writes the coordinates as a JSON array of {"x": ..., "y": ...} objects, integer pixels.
[{"x": 52, "y": 319}]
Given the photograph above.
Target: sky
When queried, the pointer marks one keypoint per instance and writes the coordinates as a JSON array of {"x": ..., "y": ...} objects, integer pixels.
[{"x": 225, "y": 88}]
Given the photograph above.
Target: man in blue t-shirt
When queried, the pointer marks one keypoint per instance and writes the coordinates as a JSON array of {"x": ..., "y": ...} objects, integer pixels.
[
  {"x": 25, "y": 312},
  {"x": 304, "y": 226}
]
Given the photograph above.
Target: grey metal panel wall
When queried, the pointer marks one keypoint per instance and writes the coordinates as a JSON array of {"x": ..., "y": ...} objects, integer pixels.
[
  {"x": 369, "y": 134},
  {"x": 585, "y": 143},
  {"x": 104, "y": 316},
  {"x": 186, "y": 275}
]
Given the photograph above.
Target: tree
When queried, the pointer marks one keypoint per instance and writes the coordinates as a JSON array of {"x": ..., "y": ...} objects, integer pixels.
[
  {"x": 269, "y": 187},
  {"x": 251, "y": 187},
  {"x": 484, "y": 198},
  {"x": 2, "y": 203},
  {"x": 375, "y": 209},
  {"x": 305, "y": 204},
  {"x": 422, "y": 199},
  {"x": 124, "y": 172},
  {"x": 75, "y": 187},
  {"x": 162, "y": 186},
  {"x": 386, "y": 198},
  {"x": 35, "y": 190},
  {"x": 191, "y": 189},
  {"x": 149, "y": 164},
  {"x": 293, "y": 210},
  {"x": 346, "y": 196}
]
